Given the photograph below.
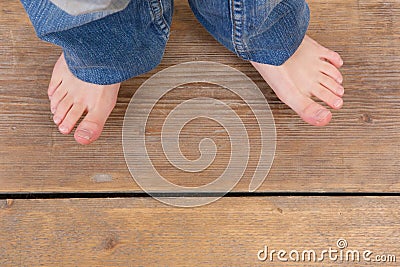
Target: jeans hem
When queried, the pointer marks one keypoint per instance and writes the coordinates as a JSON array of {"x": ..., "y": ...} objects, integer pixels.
[
  {"x": 295, "y": 21},
  {"x": 104, "y": 76}
]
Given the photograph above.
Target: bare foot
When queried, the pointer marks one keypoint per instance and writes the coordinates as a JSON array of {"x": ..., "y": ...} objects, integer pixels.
[
  {"x": 311, "y": 71},
  {"x": 70, "y": 98}
]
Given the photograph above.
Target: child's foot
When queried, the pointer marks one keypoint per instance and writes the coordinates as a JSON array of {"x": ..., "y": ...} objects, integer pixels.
[
  {"x": 311, "y": 71},
  {"x": 70, "y": 98}
]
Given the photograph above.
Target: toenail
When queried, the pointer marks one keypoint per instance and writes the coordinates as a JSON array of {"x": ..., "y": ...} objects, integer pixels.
[
  {"x": 338, "y": 103},
  {"x": 85, "y": 134},
  {"x": 53, "y": 110},
  {"x": 322, "y": 114},
  {"x": 63, "y": 129},
  {"x": 57, "y": 120}
]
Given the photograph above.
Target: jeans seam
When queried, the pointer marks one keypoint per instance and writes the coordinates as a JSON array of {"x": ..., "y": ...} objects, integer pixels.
[
  {"x": 237, "y": 17},
  {"x": 158, "y": 17}
]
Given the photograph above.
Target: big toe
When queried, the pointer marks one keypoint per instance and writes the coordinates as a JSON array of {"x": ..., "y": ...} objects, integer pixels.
[
  {"x": 316, "y": 115},
  {"x": 89, "y": 130},
  {"x": 310, "y": 111}
]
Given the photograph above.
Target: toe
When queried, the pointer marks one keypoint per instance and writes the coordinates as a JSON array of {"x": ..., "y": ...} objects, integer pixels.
[
  {"x": 91, "y": 126},
  {"x": 62, "y": 109},
  {"x": 327, "y": 96},
  {"x": 332, "y": 57},
  {"x": 57, "y": 97},
  {"x": 331, "y": 84},
  {"x": 71, "y": 118},
  {"x": 56, "y": 77},
  {"x": 53, "y": 85},
  {"x": 315, "y": 114},
  {"x": 331, "y": 71},
  {"x": 310, "y": 111}
]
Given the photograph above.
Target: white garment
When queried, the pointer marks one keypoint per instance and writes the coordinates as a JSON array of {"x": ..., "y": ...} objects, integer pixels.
[{"x": 79, "y": 7}]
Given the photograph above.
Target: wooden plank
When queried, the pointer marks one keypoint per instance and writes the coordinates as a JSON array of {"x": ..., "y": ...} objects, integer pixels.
[
  {"x": 359, "y": 151},
  {"x": 230, "y": 232}
]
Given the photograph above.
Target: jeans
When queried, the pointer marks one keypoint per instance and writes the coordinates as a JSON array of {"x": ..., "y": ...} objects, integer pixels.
[{"x": 106, "y": 47}]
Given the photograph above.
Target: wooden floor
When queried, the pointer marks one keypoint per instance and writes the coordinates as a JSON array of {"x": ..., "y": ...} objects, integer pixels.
[{"x": 326, "y": 184}]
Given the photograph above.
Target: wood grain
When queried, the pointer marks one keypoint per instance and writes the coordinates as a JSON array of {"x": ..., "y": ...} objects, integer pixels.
[
  {"x": 230, "y": 232},
  {"x": 358, "y": 152}
]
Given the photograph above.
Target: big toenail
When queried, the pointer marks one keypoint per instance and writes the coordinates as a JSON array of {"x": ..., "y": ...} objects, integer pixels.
[
  {"x": 322, "y": 114},
  {"x": 85, "y": 134},
  {"x": 57, "y": 120},
  {"x": 63, "y": 129},
  {"x": 338, "y": 103}
]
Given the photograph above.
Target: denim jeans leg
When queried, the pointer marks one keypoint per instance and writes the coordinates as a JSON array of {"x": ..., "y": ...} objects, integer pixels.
[
  {"x": 106, "y": 47},
  {"x": 264, "y": 31}
]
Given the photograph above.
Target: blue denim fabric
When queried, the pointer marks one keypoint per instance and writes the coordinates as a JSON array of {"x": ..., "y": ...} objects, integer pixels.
[
  {"x": 264, "y": 31},
  {"x": 106, "y": 47}
]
